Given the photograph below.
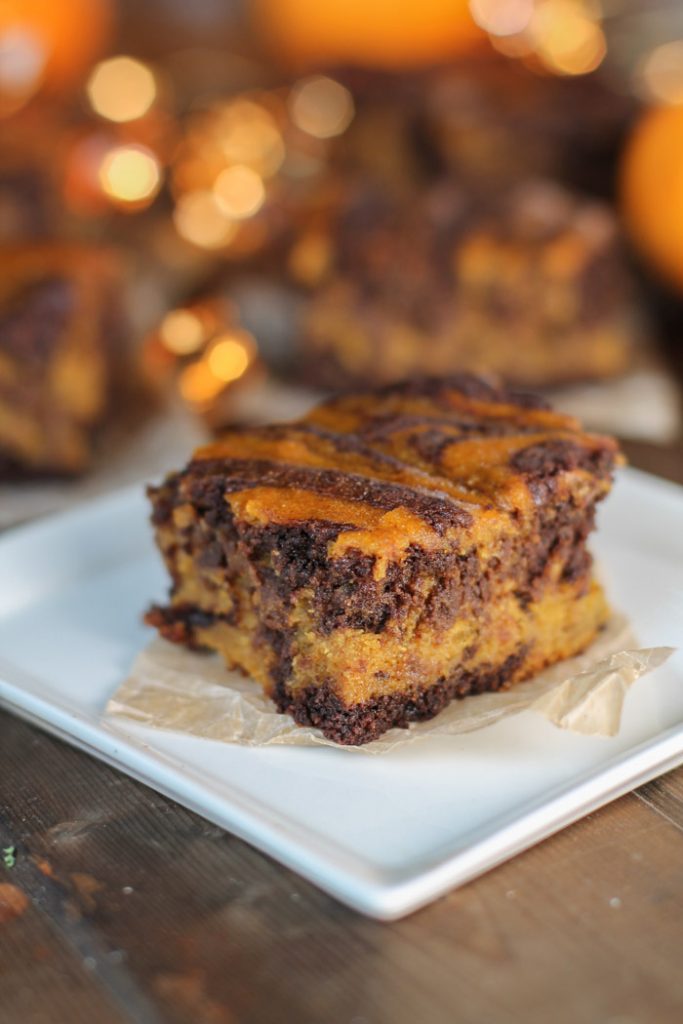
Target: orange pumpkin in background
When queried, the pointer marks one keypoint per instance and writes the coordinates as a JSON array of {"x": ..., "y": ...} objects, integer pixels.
[
  {"x": 651, "y": 186},
  {"x": 386, "y": 34},
  {"x": 57, "y": 39}
]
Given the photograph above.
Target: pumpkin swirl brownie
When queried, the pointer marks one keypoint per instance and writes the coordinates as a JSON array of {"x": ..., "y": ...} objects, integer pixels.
[
  {"x": 389, "y": 552},
  {"x": 61, "y": 323},
  {"x": 530, "y": 283}
]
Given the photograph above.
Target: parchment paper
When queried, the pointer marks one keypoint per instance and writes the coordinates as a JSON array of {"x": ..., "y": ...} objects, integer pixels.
[{"x": 172, "y": 688}]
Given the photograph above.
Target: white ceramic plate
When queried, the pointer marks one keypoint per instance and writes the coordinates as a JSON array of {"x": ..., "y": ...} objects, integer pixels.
[{"x": 383, "y": 834}]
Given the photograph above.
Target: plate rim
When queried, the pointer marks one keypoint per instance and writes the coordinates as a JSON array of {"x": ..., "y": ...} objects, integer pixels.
[{"x": 384, "y": 894}]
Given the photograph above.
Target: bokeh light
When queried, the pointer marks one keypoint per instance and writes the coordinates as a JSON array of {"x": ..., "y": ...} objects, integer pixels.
[
  {"x": 230, "y": 355},
  {"x": 199, "y": 219},
  {"x": 130, "y": 175},
  {"x": 502, "y": 17},
  {"x": 568, "y": 37},
  {"x": 198, "y": 385},
  {"x": 321, "y": 107},
  {"x": 659, "y": 76},
  {"x": 564, "y": 37},
  {"x": 239, "y": 191},
  {"x": 250, "y": 135},
  {"x": 121, "y": 89},
  {"x": 182, "y": 332}
]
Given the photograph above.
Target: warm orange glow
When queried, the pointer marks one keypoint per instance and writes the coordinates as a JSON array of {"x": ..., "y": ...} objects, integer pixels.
[
  {"x": 239, "y": 191},
  {"x": 65, "y": 38},
  {"x": 83, "y": 192},
  {"x": 199, "y": 219},
  {"x": 567, "y": 37},
  {"x": 651, "y": 186},
  {"x": 130, "y": 175},
  {"x": 182, "y": 332},
  {"x": 230, "y": 355},
  {"x": 121, "y": 89},
  {"x": 321, "y": 107},
  {"x": 249, "y": 135},
  {"x": 198, "y": 385},
  {"x": 379, "y": 33},
  {"x": 660, "y": 75}
]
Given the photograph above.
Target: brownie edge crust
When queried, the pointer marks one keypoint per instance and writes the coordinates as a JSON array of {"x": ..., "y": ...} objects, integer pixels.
[{"x": 390, "y": 552}]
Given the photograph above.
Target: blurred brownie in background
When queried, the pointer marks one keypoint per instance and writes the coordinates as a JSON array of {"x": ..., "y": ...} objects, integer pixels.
[
  {"x": 487, "y": 120},
  {"x": 25, "y": 208},
  {"x": 493, "y": 121},
  {"x": 531, "y": 285},
  {"x": 60, "y": 322},
  {"x": 32, "y": 151}
]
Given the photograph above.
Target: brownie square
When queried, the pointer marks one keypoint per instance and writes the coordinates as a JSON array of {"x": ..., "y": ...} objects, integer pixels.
[{"x": 391, "y": 551}]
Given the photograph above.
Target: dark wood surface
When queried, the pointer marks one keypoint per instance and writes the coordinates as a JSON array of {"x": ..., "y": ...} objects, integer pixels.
[{"x": 124, "y": 907}]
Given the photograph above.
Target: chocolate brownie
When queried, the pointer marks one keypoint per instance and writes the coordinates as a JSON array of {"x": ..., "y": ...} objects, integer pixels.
[
  {"x": 533, "y": 286},
  {"x": 391, "y": 551}
]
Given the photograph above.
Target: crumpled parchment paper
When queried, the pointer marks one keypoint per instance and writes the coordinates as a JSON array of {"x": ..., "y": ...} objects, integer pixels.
[{"x": 173, "y": 688}]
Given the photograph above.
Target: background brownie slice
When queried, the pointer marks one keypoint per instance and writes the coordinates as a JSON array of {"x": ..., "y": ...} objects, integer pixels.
[
  {"x": 393, "y": 550},
  {"x": 531, "y": 284},
  {"x": 59, "y": 325}
]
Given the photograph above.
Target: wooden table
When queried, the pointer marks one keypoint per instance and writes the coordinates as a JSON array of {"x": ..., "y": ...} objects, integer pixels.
[{"x": 123, "y": 906}]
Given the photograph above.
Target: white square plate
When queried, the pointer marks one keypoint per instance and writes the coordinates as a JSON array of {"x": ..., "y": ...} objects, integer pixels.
[{"x": 383, "y": 834}]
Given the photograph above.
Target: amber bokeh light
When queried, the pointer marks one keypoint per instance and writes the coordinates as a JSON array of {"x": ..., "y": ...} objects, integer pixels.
[
  {"x": 321, "y": 107},
  {"x": 659, "y": 76},
  {"x": 200, "y": 219},
  {"x": 182, "y": 332},
  {"x": 239, "y": 191},
  {"x": 564, "y": 37},
  {"x": 230, "y": 355},
  {"x": 121, "y": 89},
  {"x": 130, "y": 175},
  {"x": 238, "y": 158},
  {"x": 204, "y": 352}
]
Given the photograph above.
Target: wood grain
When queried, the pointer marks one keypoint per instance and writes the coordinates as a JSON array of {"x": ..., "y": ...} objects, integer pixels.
[
  {"x": 139, "y": 911},
  {"x": 137, "y": 903}
]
